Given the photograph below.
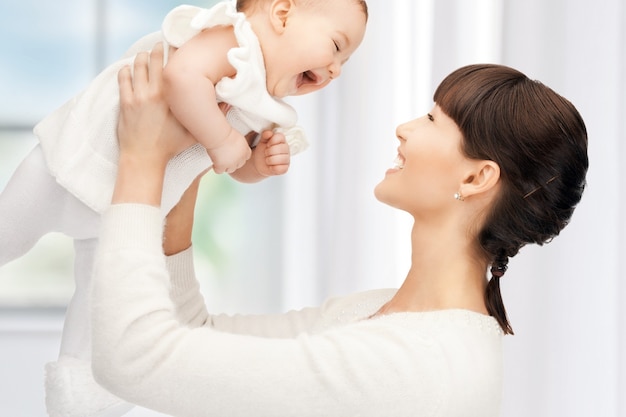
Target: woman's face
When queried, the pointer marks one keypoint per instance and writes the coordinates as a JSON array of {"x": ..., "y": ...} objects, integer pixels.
[{"x": 429, "y": 166}]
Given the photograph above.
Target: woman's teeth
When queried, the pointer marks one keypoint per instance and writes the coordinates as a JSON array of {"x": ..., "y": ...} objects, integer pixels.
[{"x": 398, "y": 163}]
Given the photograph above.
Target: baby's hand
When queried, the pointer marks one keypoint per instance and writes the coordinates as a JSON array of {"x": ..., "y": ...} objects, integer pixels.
[
  {"x": 231, "y": 154},
  {"x": 271, "y": 156}
]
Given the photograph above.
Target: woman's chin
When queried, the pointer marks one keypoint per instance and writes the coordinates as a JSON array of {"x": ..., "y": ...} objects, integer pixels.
[
  {"x": 387, "y": 196},
  {"x": 379, "y": 192}
]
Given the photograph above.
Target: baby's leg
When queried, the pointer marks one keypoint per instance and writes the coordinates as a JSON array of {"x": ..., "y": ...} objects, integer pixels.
[
  {"x": 33, "y": 204},
  {"x": 25, "y": 207},
  {"x": 76, "y": 340}
]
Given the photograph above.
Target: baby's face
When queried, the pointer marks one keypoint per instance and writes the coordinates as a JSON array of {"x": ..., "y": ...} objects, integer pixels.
[{"x": 315, "y": 43}]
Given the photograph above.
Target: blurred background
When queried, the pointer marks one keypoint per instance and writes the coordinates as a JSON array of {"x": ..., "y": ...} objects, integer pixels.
[{"x": 318, "y": 231}]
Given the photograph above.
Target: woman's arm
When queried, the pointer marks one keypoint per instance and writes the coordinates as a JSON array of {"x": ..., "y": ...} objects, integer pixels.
[
  {"x": 179, "y": 221},
  {"x": 184, "y": 287},
  {"x": 185, "y": 290},
  {"x": 149, "y": 135},
  {"x": 143, "y": 354}
]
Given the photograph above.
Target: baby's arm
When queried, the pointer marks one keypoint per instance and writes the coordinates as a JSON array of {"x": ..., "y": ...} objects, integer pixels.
[
  {"x": 270, "y": 157},
  {"x": 190, "y": 77}
]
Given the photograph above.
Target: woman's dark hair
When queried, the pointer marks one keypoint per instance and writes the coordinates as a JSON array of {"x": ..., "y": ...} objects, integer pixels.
[{"x": 538, "y": 139}]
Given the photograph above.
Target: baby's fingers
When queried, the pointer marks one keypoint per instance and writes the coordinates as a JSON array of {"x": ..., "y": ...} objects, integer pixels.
[
  {"x": 277, "y": 147},
  {"x": 277, "y": 159}
]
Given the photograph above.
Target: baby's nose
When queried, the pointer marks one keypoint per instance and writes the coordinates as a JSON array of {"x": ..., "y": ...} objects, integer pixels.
[{"x": 335, "y": 70}]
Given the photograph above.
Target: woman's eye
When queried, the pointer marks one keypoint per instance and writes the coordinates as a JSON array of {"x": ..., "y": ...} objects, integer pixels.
[{"x": 430, "y": 117}]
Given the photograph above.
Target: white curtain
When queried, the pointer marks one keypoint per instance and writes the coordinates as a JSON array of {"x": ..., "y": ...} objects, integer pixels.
[{"x": 566, "y": 299}]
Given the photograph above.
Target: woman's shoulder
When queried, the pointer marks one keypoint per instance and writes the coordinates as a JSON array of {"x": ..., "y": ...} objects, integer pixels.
[
  {"x": 441, "y": 321},
  {"x": 356, "y": 306},
  {"x": 363, "y": 305}
]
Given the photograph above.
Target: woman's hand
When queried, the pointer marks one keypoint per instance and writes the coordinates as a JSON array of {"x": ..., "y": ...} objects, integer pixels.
[
  {"x": 146, "y": 123},
  {"x": 149, "y": 135}
]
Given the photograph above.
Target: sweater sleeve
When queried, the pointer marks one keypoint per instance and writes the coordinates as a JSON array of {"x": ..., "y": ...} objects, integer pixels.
[
  {"x": 191, "y": 309},
  {"x": 143, "y": 354},
  {"x": 185, "y": 290}
]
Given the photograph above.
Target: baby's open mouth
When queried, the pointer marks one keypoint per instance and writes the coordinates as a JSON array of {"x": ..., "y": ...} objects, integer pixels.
[{"x": 308, "y": 77}]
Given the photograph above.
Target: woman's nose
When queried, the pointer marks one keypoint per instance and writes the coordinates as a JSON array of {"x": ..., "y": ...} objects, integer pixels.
[
  {"x": 401, "y": 131},
  {"x": 406, "y": 129}
]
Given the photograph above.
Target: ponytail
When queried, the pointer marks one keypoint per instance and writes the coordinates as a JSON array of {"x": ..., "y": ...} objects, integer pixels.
[{"x": 493, "y": 296}]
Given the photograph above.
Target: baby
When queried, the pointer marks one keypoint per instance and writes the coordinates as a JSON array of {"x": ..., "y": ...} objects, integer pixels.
[{"x": 249, "y": 54}]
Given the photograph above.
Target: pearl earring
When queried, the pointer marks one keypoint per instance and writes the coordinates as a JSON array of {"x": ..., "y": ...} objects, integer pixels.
[{"x": 458, "y": 196}]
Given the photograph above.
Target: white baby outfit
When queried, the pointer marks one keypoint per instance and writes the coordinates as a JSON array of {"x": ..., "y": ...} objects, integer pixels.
[
  {"x": 67, "y": 181},
  {"x": 79, "y": 139}
]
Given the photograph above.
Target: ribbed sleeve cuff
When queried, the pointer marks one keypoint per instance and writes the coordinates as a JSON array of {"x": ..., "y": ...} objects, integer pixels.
[
  {"x": 182, "y": 272},
  {"x": 132, "y": 226}
]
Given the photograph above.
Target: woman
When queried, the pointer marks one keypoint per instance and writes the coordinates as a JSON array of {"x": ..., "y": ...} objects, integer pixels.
[{"x": 499, "y": 162}]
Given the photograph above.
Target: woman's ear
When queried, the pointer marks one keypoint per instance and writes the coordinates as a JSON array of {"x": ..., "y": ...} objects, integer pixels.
[
  {"x": 482, "y": 178},
  {"x": 279, "y": 11}
]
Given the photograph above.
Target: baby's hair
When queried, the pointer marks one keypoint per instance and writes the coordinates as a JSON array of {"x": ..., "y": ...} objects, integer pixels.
[
  {"x": 247, "y": 5},
  {"x": 538, "y": 139}
]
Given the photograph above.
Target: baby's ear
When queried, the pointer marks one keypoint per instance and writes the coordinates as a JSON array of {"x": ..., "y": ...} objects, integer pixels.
[{"x": 280, "y": 10}]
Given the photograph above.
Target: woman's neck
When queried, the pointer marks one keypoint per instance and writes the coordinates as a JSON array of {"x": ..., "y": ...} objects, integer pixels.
[{"x": 444, "y": 274}]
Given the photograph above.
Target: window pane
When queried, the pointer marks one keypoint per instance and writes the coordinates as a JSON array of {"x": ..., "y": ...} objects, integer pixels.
[
  {"x": 126, "y": 21},
  {"x": 48, "y": 55}
]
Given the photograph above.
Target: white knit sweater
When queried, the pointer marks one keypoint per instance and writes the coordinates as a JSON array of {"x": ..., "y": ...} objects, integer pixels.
[{"x": 155, "y": 345}]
